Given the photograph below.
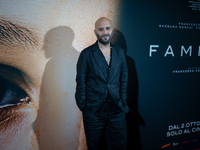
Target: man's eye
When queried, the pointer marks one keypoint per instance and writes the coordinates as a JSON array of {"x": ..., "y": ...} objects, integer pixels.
[
  {"x": 108, "y": 28},
  {"x": 11, "y": 94}
]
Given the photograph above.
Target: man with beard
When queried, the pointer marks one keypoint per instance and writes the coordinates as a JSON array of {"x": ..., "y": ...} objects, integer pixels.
[{"x": 102, "y": 78}]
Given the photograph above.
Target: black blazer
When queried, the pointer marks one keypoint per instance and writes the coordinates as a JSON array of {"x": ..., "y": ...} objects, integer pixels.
[{"x": 93, "y": 82}]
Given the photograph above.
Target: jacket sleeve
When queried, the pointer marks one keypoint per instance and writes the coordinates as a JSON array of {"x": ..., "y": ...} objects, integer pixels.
[
  {"x": 81, "y": 77},
  {"x": 124, "y": 79}
]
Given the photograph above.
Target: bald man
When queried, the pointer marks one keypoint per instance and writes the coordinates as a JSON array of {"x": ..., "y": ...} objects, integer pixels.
[{"x": 102, "y": 78}]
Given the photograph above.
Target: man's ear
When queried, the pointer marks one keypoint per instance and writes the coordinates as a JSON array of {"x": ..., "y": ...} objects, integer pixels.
[{"x": 95, "y": 32}]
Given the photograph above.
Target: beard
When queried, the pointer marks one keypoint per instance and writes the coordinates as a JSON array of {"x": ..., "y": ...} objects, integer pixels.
[{"x": 105, "y": 41}]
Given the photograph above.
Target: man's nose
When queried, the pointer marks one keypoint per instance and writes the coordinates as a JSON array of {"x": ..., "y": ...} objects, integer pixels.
[{"x": 105, "y": 31}]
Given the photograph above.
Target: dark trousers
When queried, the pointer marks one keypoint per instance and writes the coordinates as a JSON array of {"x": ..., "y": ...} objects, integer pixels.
[{"x": 111, "y": 120}]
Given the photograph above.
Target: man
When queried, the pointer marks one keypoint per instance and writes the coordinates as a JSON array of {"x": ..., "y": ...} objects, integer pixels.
[{"x": 102, "y": 78}]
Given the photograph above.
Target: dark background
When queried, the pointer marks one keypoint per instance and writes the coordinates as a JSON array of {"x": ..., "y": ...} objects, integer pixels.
[{"x": 157, "y": 97}]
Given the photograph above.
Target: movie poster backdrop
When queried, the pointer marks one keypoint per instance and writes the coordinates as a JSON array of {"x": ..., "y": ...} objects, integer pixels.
[
  {"x": 40, "y": 42},
  {"x": 161, "y": 39}
]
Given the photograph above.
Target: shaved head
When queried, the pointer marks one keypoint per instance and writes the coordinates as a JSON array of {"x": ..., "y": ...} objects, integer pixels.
[
  {"x": 103, "y": 30},
  {"x": 101, "y": 20}
]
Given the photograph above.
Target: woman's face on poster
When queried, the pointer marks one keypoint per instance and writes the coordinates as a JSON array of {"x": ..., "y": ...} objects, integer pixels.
[{"x": 28, "y": 30}]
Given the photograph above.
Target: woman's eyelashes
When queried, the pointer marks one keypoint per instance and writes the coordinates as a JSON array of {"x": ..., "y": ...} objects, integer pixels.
[
  {"x": 11, "y": 94},
  {"x": 15, "y": 86}
]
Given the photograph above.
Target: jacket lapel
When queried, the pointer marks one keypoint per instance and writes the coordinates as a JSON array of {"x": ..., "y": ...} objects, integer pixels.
[
  {"x": 99, "y": 59},
  {"x": 114, "y": 60}
]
